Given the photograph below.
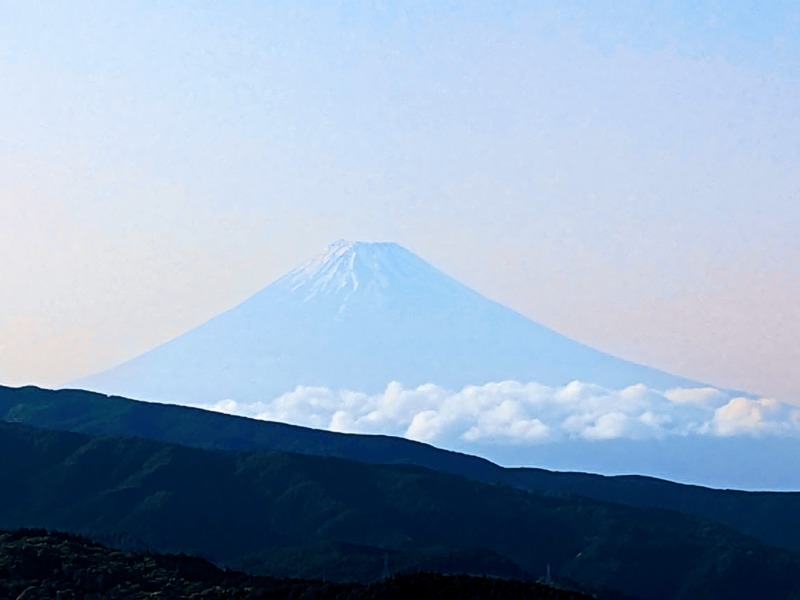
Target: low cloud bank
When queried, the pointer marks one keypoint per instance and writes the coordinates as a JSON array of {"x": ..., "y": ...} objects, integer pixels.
[{"x": 522, "y": 413}]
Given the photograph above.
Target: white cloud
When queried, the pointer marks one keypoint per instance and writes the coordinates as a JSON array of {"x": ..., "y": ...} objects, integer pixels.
[
  {"x": 519, "y": 413},
  {"x": 608, "y": 427},
  {"x": 755, "y": 416},
  {"x": 704, "y": 395}
]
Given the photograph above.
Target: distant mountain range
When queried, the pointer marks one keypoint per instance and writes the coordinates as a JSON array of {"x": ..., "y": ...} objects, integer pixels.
[{"x": 357, "y": 317}]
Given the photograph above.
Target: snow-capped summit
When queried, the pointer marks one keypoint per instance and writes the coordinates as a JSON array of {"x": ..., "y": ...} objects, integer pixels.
[
  {"x": 367, "y": 272},
  {"x": 357, "y": 317},
  {"x": 345, "y": 266}
]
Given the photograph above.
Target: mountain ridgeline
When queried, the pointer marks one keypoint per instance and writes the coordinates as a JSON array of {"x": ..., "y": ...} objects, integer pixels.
[
  {"x": 428, "y": 508},
  {"x": 283, "y": 514}
]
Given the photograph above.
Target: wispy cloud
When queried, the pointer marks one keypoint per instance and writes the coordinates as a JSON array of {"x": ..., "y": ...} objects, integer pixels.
[{"x": 518, "y": 413}]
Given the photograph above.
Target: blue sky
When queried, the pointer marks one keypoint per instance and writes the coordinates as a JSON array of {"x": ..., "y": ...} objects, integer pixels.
[{"x": 628, "y": 176}]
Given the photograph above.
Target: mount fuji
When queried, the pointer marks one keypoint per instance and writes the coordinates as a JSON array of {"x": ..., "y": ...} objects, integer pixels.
[
  {"x": 357, "y": 317},
  {"x": 369, "y": 338}
]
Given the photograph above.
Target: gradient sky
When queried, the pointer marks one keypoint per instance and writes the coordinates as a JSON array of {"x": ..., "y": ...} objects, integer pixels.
[{"x": 627, "y": 176}]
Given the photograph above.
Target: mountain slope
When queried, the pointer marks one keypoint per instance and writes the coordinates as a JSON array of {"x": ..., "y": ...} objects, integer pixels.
[
  {"x": 358, "y": 317},
  {"x": 253, "y": 507},
  {"x": 774, "y": 518}
]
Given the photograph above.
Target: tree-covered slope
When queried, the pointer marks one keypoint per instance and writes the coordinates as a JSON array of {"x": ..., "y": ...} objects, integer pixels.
[
  {"x": 36, "y": 564},
  {"x": 772, "y": 517},
  {"x": 256, "y": 508}
]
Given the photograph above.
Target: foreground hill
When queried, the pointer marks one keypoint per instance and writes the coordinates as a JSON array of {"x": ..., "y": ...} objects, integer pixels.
[
  {"x": 773, "y": 518},
  {"x": 307, "y": 516},
  {"x": 37, "y": 564}
]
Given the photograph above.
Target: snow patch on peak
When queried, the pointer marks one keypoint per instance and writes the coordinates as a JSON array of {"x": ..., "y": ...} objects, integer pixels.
[
  {"x": 341, "y": 247},
  {"x": 337, "y": 249},
  {"x": 346, "y": 266}
]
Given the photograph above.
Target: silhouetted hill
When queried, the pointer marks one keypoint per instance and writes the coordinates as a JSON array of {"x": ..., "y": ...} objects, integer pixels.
[
  {"x": 772, "y": 517},
  {"x": 37, "y": 564},
  {"x": 256, "y": 509}
]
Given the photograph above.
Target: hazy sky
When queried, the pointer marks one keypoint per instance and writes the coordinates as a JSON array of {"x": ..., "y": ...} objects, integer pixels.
[{"x": 627, "y": 176}]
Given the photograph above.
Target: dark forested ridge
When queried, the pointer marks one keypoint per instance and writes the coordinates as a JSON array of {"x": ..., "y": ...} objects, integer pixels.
[
  {"x": 772, "y": 517},
  {"x": 37, "y": 564},
  {"x": 284, "y": 514}
]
